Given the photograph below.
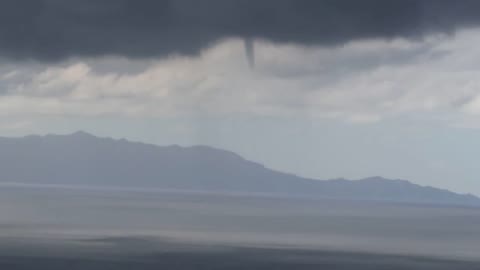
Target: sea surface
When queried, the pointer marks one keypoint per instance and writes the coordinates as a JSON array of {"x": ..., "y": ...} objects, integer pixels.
[{"x": 59, "y": 227}]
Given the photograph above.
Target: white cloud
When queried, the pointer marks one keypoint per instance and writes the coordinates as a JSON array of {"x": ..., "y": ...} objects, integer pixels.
[
  {"x": 15, "y": 125},
  {"x": 361, "y": 82},
  {"x": 8, "y": 75}
]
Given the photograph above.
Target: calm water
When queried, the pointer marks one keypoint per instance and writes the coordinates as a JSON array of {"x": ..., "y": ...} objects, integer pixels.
[{"x": 30, "y": 216}]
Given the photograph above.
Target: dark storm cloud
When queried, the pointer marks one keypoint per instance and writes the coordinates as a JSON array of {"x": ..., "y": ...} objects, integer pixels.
[{"x": 56, "y": 29}]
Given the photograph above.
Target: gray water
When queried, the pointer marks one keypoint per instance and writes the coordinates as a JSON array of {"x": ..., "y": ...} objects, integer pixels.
[{"x": 30, "y": 215}]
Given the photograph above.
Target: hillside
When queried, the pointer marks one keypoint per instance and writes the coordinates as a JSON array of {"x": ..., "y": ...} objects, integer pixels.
[{"x": 84, "y": 159}]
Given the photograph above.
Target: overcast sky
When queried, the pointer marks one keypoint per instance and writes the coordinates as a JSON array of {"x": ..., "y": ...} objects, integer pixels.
[{"x": 322, "y": 89}]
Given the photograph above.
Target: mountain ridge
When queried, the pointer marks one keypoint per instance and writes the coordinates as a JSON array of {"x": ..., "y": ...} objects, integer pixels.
[{"x": 82, "y": 158}]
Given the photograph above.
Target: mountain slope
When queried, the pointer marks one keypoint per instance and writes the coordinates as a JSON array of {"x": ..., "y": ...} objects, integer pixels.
[{"x": 83, "y": 159}]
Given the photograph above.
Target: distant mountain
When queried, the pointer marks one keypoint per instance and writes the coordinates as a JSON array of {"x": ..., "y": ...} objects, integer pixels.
[{"x": 83, "y": 159}]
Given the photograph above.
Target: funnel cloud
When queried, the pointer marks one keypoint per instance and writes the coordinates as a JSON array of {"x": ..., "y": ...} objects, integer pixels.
[{"x": 250, "y": 52}]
